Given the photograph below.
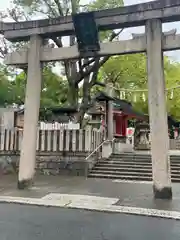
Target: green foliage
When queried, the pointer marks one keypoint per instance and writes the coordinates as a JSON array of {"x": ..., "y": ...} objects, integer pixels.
[
  {"x": 56, "y": 8},
  {"x": 47, "y": 8},
  {"x": 54, "y": 89},
  {"x": 5, "y": 87},
  {"x": 172, "y": 73},
  {"x": 105, "y": 4},
  {"x": 96, "y": 5},
  {"x": 18, "y": 88},
  {"x": 129, "y": 72}
]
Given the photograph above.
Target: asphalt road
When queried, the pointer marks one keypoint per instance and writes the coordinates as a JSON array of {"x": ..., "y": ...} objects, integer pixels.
[{"x": 19, "y": 222}]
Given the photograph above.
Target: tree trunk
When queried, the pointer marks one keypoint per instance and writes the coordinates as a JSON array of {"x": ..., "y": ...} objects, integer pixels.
[
  {"x": 73, "y": 95},
  {"x": 85, "y": 102}
]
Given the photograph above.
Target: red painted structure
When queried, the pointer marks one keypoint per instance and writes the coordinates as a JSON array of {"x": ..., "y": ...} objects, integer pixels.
[
  {"x": 123, "y": 111},
  {"x": 121, "y": 121}
]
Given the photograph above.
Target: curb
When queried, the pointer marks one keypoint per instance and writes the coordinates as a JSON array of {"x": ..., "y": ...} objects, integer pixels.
[{"x": 93, "y": 207}]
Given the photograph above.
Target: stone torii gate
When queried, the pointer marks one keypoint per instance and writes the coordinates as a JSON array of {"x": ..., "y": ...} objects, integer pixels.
[{"x": 152, "y": 15}]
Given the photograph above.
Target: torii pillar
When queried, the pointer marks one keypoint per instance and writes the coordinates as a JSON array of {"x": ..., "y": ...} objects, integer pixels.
[
  {"x": 31, "y": 116},
  {"x": 110, "y": 125},
  {"x": 157, "y": 111}
]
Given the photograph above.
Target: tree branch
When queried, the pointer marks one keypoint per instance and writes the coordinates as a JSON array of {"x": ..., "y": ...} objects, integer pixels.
[
  {"x": 80, "y": 65},
  {"x": 57, "y": 41},
  {"x": 67, "y": 70},
  {"x": 3, "y": 48},
  {"x": 93, "y": 68},
  {"x": 67, "y": 11},
  {"x": 54, "y": 13},
  {"x": 88, "y": 63},
  {"x": 94, "y": 78},
  {"x": 111, "y": 38},
  {"x": 100, "y": 84},
  {"x": 95, "y": 73},
  {"x": 60, "y": 10},
  {"x": 114, "y": 35}
]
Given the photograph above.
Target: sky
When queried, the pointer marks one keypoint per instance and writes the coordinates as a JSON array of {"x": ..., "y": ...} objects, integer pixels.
[{"x": 4, "y": 4}]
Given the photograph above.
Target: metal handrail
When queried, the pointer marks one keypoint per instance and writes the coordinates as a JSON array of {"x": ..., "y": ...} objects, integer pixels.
[{"x": 95, "y": 150}]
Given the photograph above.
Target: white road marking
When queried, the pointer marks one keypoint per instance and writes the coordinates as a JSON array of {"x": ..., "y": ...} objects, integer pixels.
[
  {"x": 93, "y": 206},
  {"x": 80, "y": 199},
  {"x": 31, "y": 201}
]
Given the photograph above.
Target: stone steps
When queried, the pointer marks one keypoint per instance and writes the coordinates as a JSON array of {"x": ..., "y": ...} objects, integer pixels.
[
  {"x": 137, "y": 167},
  {"x": 127, "y": 177},
  {"x": 130, "y": 169},
  {"x": 132, "y": 163},
  {"x": 121, "y": 177},
  {"x": 128, "y": 172},
  {"x": 141, "y": 158}
]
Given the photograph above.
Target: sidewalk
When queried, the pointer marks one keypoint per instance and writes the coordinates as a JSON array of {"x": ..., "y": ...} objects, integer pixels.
[{"x": 127, "y": 194}]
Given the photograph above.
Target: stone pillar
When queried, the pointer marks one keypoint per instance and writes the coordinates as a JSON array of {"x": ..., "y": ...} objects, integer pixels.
[
  {"x": 157, "y": 111},
  {"x": 110, "y": 126},
  {"x": 31, "y": 115}
]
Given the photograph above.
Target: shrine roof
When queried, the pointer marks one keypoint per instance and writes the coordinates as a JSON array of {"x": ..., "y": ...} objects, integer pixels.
[
  {"x": 68, "y": 110},
  {"x": 127, "y": 108},
  {"x": 102, "y": 96},
  {"x": 56, "y": 110},
  {"x": 119, "y": 105},
  {"x": 173, "y": 122}
]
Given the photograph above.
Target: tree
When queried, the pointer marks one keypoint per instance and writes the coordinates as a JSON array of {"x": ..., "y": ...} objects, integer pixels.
[
  {"x": 84, "y": 72},
  {"x": 54, "y": 89},
  {"x": 5, "y": 87},
  {"x": 172, "y": 73},
  {"x": 129, "y": 72}
]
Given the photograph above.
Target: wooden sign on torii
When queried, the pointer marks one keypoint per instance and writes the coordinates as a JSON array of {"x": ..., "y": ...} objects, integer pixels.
[{"x": 152, "y": 15}]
